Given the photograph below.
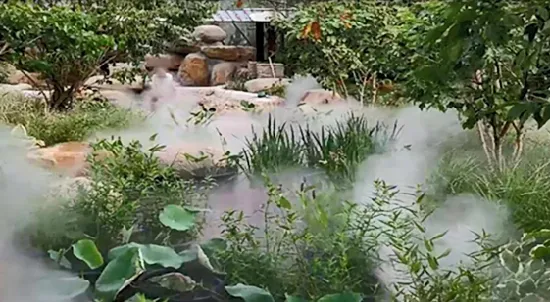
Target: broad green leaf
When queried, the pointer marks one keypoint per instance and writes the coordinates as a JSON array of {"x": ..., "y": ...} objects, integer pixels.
[
  {"x": 539, "y": 251},
  {"x": 117, "y": 272},
  {"x": 214, "y": 245},
  {"x": 63, "y": 288},
  {"x": 177, "y": 218},
  {"x": 527, "y": 286},
  {"x": 516, "y": 111},
  {"x": 284, "y": 203},
  {"x": 86, "y": 250},
  {"x": 343, "y": 297},
  {"x": 120, "y": 250},
  {"x": 432, "y": 262},
  {"x": 151, "y": 254},
  {"x": 249, "y": 293},
  {"x": 510, "y": 261}
]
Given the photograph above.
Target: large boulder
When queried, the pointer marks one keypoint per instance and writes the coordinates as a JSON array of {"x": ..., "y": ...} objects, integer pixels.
[
  {"x": 321, "y": 97},
  {"x": 263, "y": 84},
  {"x": 229, "y": 53},
  {"x": 223, "y": 73},
  {"x": 193, "y": 70},
  {"x": 209, "y": 33},
  {"x": 66, "y": 158}
]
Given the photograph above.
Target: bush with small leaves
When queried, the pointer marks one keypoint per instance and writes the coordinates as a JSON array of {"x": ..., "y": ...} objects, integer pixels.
[{"x": 129, "y": 189}]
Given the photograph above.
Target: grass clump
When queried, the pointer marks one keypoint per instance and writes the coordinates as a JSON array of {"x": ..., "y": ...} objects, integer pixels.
[
  {"x": 88, "y": 116},
  {"x": 524, "y": 187},
  {"x": 335, "y": 150}
]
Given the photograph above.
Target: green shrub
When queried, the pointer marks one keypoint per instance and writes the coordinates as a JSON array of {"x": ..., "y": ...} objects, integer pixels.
[
  {"x": 129, "y": 189},
  {"x": 87, "y": 117},
  {"x": 525, "y": 188},
  {"x": 294, "y": 255}
]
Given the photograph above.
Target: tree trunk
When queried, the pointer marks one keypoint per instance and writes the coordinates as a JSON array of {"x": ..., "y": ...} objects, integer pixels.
[
  {"x": 518, "y": 144},
  {"x": 61, "y": 99}
]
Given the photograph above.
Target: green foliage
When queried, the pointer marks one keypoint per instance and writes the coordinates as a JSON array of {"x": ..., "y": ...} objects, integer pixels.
[
  {"x": 77, "y": 124},
  {"x": 328, "y": 253},
  {"x": 416, "y": 253},
  {"x": 525, "y": 187},
  {"x": 339, "y": 150},
  {"x": 335, "y": 150},
  {"x": 488, "y": 61},
  {"x": 524, "y": 269},
  {"x": 276, "y": 147},
  {"x": 67, "y": 43},
  {"x": 129, "y": 190},
  {"x": 178, "y": 218},
  {"x": 60, "y": 43},
  {"x": 86, "y": 251},
  {"x": 343, "y": 44}
]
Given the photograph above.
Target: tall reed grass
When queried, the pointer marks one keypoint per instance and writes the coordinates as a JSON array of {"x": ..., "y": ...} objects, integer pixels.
[{"x": 337, "y": 150}]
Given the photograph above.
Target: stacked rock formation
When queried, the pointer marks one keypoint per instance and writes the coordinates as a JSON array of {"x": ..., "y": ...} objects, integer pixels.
[{"x": 210, "y": 62}]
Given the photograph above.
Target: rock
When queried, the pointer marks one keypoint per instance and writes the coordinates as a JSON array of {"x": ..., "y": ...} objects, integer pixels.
[
  {"x": 16, "y": 87},
  {"x": 184, "y": 49},
  {"x": 34, "y": 79},
  {"x": 37, "y": 94},
  {"x": 209, "y": 33},
  {"x": 123, "y": 99},
  {"x": 257, "y": 85},
  {"x": 320, "y": 97},
  {"x": 223, "y": 72},
  {"x": 193, "y": 70},
  {"x": 222, "y": 101},
  {"x": 170, "y": 62},
  {"x": 230, "y": 53},
  {"x": 65, "y": 158}
]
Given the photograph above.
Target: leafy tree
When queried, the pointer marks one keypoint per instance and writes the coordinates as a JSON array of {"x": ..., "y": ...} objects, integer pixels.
[
  {"x": 489, "y": 61},
  {"x": 346, "y": 45},
  {"x": 68, "y": 42},
  {"x": 59, "y": 43}
]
